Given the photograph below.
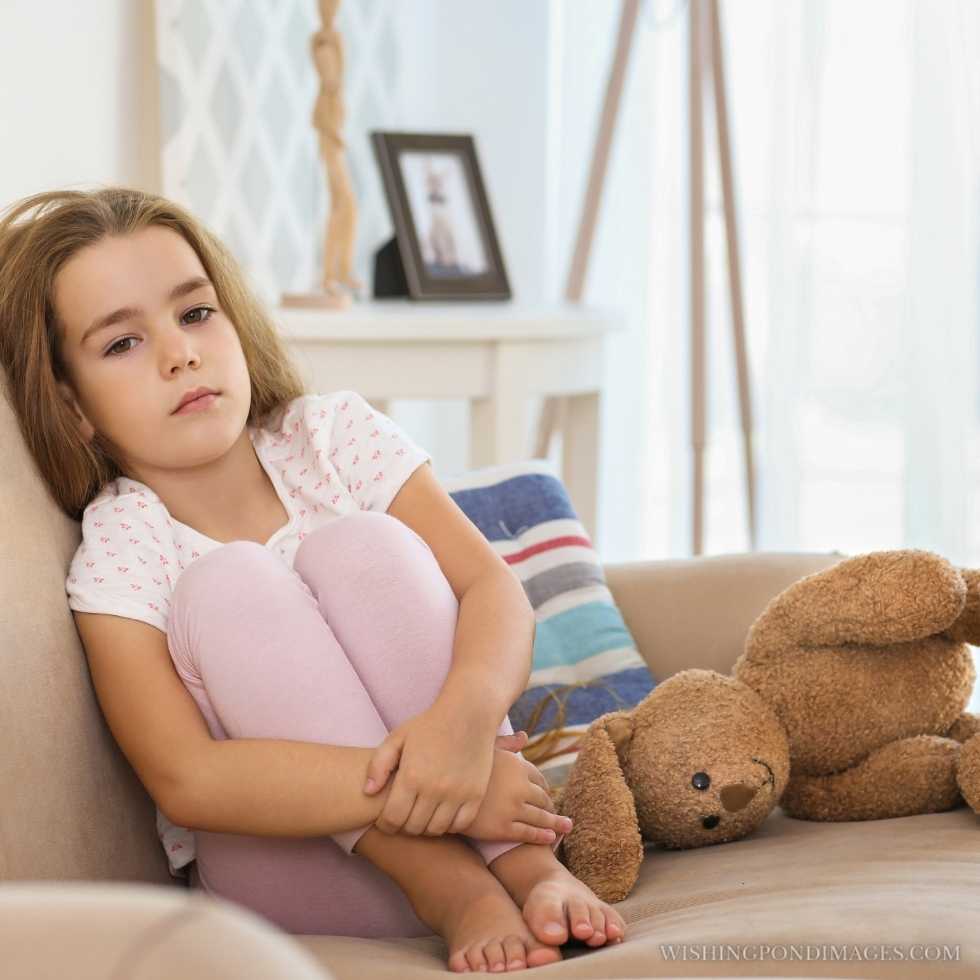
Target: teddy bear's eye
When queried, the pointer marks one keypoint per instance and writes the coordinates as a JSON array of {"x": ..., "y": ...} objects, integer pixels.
[{"x": 701, "y": 780}]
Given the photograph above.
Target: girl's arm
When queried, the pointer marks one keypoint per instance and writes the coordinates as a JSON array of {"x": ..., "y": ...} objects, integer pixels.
[
  {"x": 492, "y": 648},
  {"x": 495, "y": 629},
  {"x": 277, "y": 788}
]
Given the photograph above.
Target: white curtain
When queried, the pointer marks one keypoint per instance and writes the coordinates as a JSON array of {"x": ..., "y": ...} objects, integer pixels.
[{"x": 856, "y": 130}]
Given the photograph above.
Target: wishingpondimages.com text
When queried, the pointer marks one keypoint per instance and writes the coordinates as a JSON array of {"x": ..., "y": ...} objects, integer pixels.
[{"x": 810, "y": 952}]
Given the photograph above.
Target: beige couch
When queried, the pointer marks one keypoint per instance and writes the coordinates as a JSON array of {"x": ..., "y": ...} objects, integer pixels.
[{"x": 85, "y": 892}]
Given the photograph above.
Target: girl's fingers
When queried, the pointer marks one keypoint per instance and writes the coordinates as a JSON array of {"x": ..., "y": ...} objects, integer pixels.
[
  {"x": 535, "y": 776},
  {"x": 465, "y": 815},
  {"x": 511, "y": 743},
  {"x": 396, "y": 810},
  {"x": 536, "y": 817},
  {"x": 532, "y": 835},
  {"x": 420, "y": 816},
  {"x": 442, "y": 819},
  {"x": 542, "y": 798}
]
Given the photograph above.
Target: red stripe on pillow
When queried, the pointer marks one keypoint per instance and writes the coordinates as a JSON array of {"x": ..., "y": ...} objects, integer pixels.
[{"x": 534, "y": 549}]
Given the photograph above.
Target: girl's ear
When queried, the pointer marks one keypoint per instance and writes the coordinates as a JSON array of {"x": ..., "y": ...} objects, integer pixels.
[{"x": 84, "y": 426}]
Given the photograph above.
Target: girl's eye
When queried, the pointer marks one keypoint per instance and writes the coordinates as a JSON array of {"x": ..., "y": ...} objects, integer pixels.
[{"x": 111, "y": 351}]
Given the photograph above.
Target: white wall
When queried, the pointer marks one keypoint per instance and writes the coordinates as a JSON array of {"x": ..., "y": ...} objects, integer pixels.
[{"x": 70, "y": 74}]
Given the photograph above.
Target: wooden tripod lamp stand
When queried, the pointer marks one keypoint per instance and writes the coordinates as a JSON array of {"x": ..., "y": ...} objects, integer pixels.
[{"x": 705, "y": 55}]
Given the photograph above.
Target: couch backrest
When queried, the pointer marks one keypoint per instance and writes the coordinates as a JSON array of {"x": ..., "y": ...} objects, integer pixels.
[
  {"x": 71, "y": 806},
  {"x": 696, "y": 612}
]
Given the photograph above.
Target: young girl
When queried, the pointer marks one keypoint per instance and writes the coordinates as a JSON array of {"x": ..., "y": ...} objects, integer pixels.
[{"x": 351, "y": 640}]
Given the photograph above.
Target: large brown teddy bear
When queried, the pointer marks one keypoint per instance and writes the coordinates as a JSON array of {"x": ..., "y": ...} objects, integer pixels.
[{"x": 846, "y": 704}]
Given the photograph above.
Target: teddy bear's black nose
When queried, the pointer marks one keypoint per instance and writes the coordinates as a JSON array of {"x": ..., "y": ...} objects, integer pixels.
[{"x": 709, "y": 823}]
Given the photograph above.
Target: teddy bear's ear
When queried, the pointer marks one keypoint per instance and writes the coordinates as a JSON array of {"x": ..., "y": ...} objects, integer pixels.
[{"x": 604, "y": 847}]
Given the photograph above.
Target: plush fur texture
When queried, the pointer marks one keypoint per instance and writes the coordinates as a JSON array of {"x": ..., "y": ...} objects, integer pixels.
[{"x": 846, "y": 704}]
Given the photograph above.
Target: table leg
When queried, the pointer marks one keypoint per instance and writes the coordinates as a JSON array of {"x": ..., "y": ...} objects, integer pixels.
[
  {"x": 499, "y": 430},
  {"x": 580, "y": 457}
]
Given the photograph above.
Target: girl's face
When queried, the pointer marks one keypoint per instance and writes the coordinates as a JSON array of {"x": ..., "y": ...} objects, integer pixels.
[{"x": 170, "y": 336}]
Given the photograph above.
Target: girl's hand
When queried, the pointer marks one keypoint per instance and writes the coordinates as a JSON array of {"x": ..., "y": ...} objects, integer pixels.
[
  {"x": 443, "y": 757},
  {"x": 517, "y": 805}
]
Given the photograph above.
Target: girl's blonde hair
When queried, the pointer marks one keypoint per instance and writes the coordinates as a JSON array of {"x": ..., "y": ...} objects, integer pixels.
[{"x": 32, "y": 251}]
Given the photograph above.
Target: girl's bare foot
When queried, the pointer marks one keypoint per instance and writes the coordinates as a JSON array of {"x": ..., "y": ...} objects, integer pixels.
[
  {"x": 485, "y": 931},
  {"x": 556, "y": 905},
  {"x": 454, "y": 894}
]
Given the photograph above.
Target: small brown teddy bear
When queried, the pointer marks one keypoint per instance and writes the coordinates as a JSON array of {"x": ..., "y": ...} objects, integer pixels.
[{"x": 846, "y": 704}]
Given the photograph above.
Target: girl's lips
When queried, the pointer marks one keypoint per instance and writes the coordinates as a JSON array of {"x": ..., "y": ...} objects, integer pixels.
[{"x": 198, "y": 404}]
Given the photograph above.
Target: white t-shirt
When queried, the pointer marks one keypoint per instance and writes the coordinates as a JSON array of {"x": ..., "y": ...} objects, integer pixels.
[{"x": 332, "y": 454}]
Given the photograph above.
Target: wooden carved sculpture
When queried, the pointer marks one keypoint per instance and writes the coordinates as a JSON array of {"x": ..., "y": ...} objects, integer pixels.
[{"x": 328, "y": 119}]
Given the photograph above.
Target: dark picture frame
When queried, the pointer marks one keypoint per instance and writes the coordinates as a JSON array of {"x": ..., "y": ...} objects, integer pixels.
[{"x": 445, "y": 244}]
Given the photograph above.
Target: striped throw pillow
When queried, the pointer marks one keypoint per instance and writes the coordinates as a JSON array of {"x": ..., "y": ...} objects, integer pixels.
[{"x": 585, "y": 660}]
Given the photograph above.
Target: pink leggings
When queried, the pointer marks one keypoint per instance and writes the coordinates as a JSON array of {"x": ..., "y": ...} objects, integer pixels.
[{"x": 347, "y": 646}]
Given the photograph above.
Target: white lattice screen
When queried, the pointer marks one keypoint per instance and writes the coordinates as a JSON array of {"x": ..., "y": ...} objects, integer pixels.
[{"x": 237, "y": 89}]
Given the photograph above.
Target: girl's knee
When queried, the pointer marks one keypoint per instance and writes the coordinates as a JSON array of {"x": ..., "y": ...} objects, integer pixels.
[
  {"x": 358, "y": 532},
  {"x": 368, "y": 550},
  {"x": 226, "y": 573},
  {"x": 358, "y": 523},
  {"x": 238, "y": 580}
]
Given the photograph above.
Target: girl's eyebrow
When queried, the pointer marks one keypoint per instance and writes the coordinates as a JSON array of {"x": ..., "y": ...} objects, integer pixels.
[{"x": 127, "y": 312}]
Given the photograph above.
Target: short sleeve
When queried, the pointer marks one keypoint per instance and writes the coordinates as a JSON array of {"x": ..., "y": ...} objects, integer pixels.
[
  {"x": 371, "y": 454},
  {"x": 124, "y": 563}
]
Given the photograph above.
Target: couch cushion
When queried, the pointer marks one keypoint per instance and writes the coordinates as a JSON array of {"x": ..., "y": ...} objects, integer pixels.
[
  {"x": 72, "y": 806},
  {"x": 891, "y": 883},
  {"x": 585, "y": 661},
  {"x": 97, "y": 930}
]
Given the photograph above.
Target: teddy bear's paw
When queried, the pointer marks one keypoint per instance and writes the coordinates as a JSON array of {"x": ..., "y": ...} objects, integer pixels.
[
  {"x": 905, "y": 777},
  {"x": 877, "y": 599},
  {"x": 966, "y": 627},
  {"x": 968, "y": 772},
  {"x": 965, "y": 727}
]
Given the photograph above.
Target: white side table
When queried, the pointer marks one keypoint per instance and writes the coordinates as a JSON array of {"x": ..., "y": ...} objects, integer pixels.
[{"x": 498, "y": 356}]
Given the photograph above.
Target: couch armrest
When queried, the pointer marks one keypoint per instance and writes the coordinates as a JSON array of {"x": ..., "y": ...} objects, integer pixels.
[
  {"x": 696, "y": 612},
  {"x": 91, "y": 930}
]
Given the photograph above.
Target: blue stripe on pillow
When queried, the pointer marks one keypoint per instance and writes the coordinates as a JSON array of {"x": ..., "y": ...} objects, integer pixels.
[
  {"x": 576, "y": 634},
  {"x": 502, "y": 511},
  {"x": 583, "y": 705},
  {"x": 561, "y": 579}
]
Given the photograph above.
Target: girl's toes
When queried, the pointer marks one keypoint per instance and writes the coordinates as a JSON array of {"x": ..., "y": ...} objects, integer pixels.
[
  {"x": 457, "y": 962},
  {"x": 475, "y": 958},
  {"x": 541, "y": 955},
  {"x": 581, "y": 921},
  {"x": 494, "y": 953},
  {"x": 515, "y": 955},
  {"x": 546, "y": 919},
  {"x": 598, "y": 936},
  {"x": 615, "y": 926}
]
